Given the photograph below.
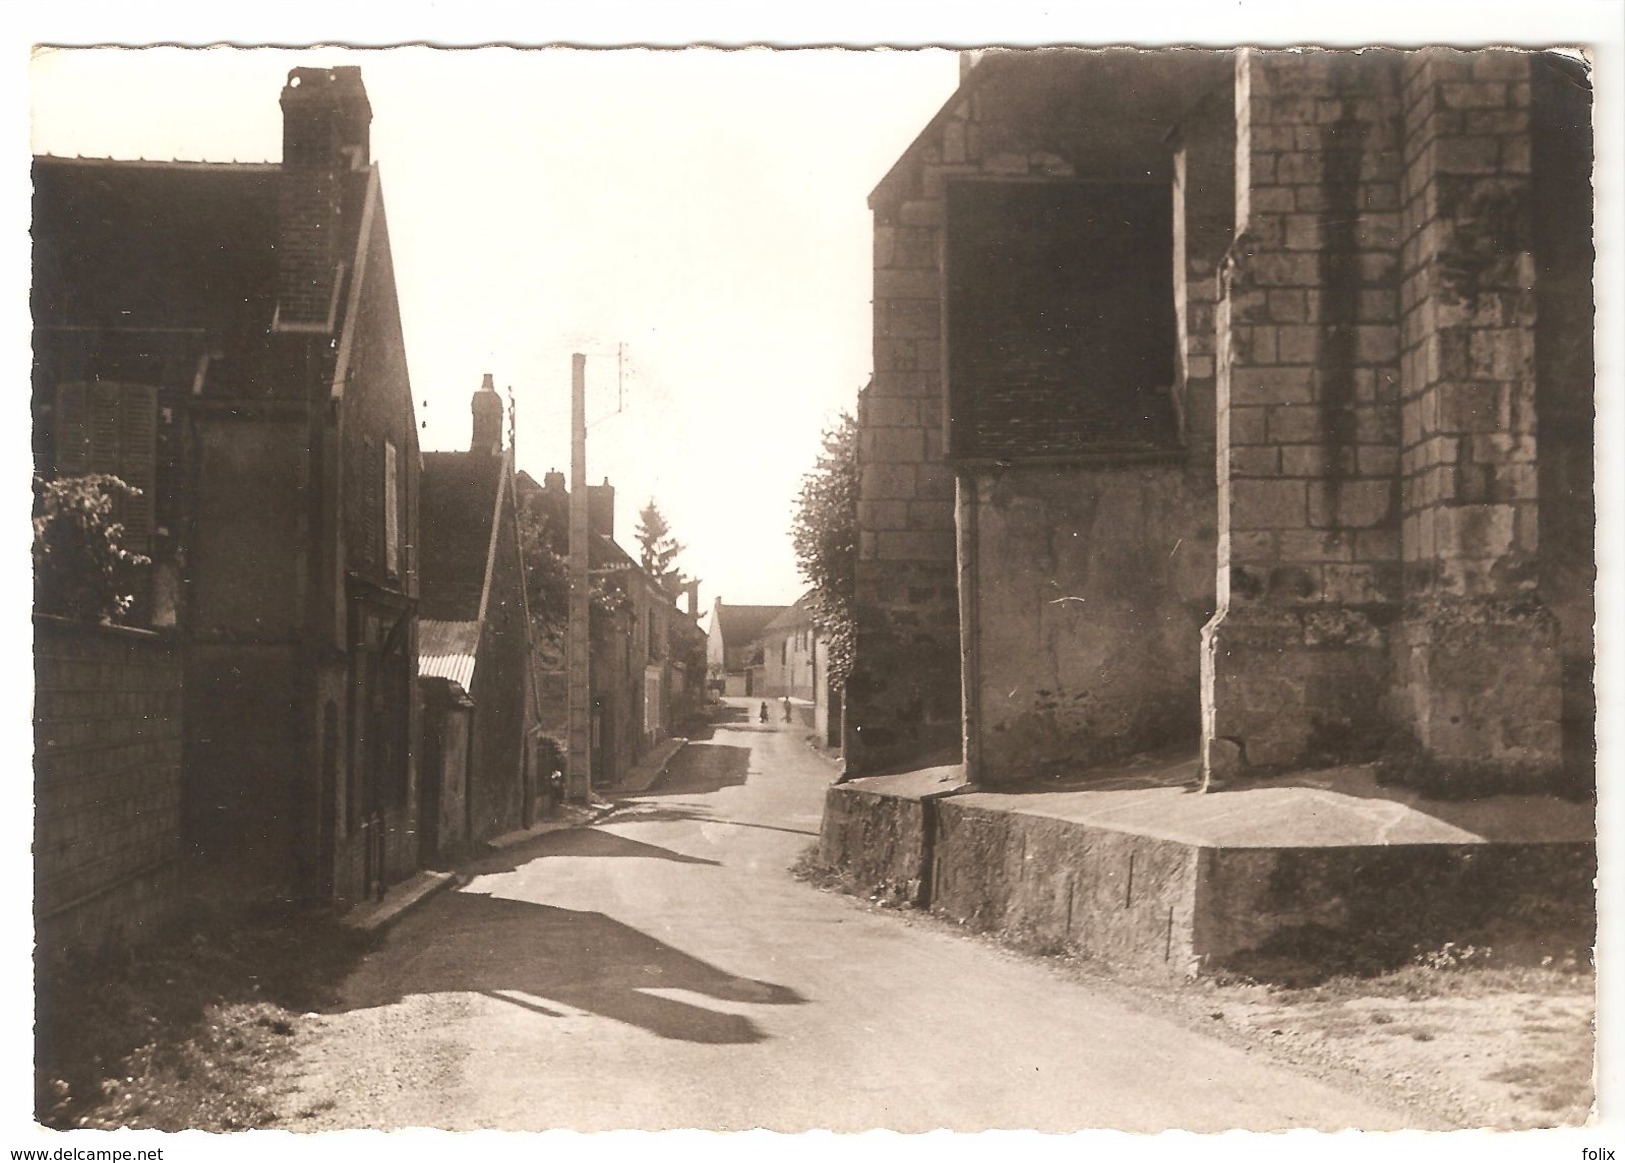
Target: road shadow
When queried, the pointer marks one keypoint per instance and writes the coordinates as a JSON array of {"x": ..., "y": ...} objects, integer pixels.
[
  {"x": 702, "y": 768},
  {"x": 473, "y": 943},
  {"x": 583, "y": 841},
  {"x": 639, "y": 814}
]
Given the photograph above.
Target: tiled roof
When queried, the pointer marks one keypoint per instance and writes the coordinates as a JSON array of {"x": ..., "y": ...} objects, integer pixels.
[
  {"x": 447, "y": 650},
  {"x": 161, "y": 262},
  {"x": 794, "y": 617},
  {"x": 741, "y": 625},
  {"x": 456, "y": 500}
]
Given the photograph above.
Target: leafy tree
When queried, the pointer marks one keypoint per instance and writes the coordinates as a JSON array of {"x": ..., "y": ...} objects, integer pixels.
[
  {"x": 547, "y": 577},
  {"x": 657, "y": 548},
  {"x": 825, "y": 534},
  {"x": 544, "y": 547},
  {"x": 81, "y": 568}
]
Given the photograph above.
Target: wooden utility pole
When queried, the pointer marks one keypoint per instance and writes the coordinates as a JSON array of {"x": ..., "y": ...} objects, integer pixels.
[{"x": 579, "y": 670}]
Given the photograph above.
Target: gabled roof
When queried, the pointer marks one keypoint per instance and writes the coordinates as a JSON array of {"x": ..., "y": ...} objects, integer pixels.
[
  {"x": 741, "y": 625},
  {"x": 155, "y": 244},
  {"x": 795, "y": 617},
  {"x": 457, "y": 506},
  {"x": 139, "y": 264}
]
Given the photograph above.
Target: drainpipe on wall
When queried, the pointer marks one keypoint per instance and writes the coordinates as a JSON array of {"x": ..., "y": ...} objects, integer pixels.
[{"x": 969, "y": 629}]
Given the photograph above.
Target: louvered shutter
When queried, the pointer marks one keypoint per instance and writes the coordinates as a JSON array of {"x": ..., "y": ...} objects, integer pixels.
[
  {"x": 104, "y": 427},
  {"x": 112, "y": 429},
  {"x": 138, "y": 451},
  {"x": 72, "y": 430}
]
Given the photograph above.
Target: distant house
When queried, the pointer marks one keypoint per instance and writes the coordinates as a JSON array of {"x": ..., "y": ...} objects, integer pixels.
[
  {"x": 795, "y": 665},
  {"x": 226, "y": 338},
  {"x": 788, "y": 656},
  {"x": 643, "y": 647},
  {"x": 733, "y": 648},
  {"x": 473, "y": 662}
]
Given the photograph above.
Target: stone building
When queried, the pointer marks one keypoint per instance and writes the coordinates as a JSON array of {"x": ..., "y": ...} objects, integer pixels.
[
  {"x": 1239, "y": 401},
  {"x": 474, "y": 661},
  {"x": 734, "y": 650},
  {"x": 226, "y": 338},
  {"x": 644, "y": 650}
]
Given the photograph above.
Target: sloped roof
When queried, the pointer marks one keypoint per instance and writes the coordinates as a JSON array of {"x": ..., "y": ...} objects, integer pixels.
[
  {"x": 147, "y": 244},
  {"x": 795, "y": 617},
  {"x": 741, "y": 625},
  {"x": 448, "y": 650},
  {"x": 457, "y": 500}
]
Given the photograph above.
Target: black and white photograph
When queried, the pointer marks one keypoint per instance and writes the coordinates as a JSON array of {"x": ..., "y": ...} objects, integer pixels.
[{"x": 1049, "y": 584}]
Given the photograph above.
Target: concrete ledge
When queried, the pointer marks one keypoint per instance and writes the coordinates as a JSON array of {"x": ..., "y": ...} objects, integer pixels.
[
  {"x": 408, "y": 893},
  {"x": 1134, "y": 868}
]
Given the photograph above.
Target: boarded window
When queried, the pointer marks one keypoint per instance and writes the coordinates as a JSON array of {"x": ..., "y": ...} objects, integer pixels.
[
  {"x": 112, "y": 428},
  {"x": 1061, "y": 333}
]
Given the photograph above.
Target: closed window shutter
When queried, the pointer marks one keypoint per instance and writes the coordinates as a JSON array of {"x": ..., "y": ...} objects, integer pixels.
[
  {"x": 112, "y": 429},
  {"x": 138, "y": 453},
  {"x": 72, "y": 430},
  {"x": 104, "y": 428}
]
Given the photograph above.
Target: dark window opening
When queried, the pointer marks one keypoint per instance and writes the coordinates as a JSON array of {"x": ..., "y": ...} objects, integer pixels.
[{"x": 1061, "y": 331}]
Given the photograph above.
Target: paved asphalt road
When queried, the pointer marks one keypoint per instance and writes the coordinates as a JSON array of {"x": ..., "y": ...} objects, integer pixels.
[{"x": 662, "y": 970}]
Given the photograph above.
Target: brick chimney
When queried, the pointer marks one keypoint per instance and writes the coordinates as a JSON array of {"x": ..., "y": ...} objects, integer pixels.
[
  {"x": 601, "y": 508},
  {"x": 325, "y": 134},
  {"x": 487, "y": 407},
  {"x": 692, "y": 589}
]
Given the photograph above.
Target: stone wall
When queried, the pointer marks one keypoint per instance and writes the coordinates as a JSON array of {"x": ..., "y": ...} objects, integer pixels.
[
  {"x": 903, "y": 695},
  {"x": 107, "y": 784},
  {"x": 1092, "y": 585},
  {"x": 1478, "y": 671},
  {"x": 1309, "y": 582}
]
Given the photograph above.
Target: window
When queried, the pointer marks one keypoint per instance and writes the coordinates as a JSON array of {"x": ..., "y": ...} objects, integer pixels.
[
  {"x": 1061, "y": 332},
  {"x": 392, "y": 509},
  {"x": 112, "y": 428}
]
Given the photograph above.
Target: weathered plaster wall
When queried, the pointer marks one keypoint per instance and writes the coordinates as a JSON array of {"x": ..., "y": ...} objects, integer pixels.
[{"x": 1092, "y": 587}]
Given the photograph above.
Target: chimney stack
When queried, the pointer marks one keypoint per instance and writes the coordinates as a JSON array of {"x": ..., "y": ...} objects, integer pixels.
[
  {"x": 601, "y": 508},
  {"x": 326, "y": 121},
  {"x": 487, "y": 407},
  {"x": 692, "y": 589}
]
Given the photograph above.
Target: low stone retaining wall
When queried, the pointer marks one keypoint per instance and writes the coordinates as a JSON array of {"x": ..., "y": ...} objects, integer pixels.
[
  {"x": 878, "y": 838},
  {"x": 1180, "y": 908}
]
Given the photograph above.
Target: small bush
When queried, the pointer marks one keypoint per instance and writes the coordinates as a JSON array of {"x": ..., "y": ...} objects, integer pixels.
[{"x": 81, "y": 569}]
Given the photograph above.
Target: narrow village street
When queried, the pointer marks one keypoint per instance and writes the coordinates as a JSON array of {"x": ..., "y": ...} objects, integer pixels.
[{"x": 663, "y": 969}]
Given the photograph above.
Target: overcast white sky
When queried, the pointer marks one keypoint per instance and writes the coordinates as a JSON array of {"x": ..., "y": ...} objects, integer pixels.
[{"x": 704, "y": 208}]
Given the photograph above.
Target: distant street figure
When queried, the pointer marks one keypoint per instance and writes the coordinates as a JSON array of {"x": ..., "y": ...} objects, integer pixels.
[
  {"x": 764, "y": 711},
  {"x": 786, "y": 708}
]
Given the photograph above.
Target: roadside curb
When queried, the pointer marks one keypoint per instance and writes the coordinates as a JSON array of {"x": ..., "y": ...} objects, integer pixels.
[
  {"x": 542, "y": 828},
  {"x": 409, "y": 893}
]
